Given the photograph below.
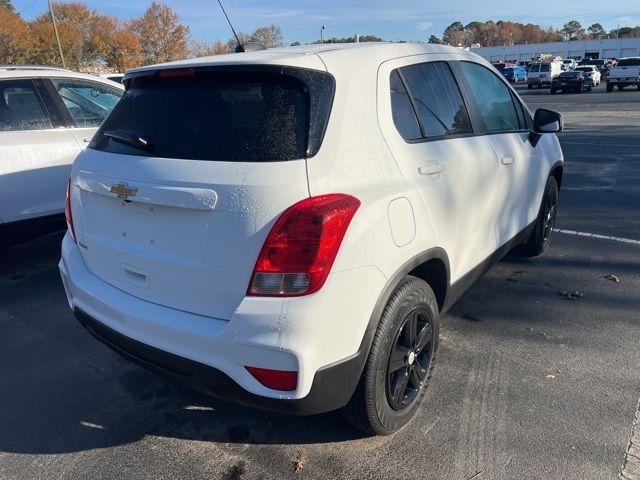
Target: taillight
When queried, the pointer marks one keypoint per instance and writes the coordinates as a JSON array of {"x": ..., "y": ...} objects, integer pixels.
[
  {"x": 180, "y": 72},
  {"x": 300, "y": 249},
  {"x": 67, "y": 212},
  {"x": 284, "y": 380}
]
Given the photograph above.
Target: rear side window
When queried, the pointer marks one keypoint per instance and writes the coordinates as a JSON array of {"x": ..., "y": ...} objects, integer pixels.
[
  {"x": 534, "y": 68},
  {"x": 219, "y": 115},
  {"x": 495, "y": 103},
  {"x": 629, "y": 62},
  {"x": 88, "y": 103},
  {"x": 436, "y": 99},
  {"x": 404, "y": 117},
  {"x": 544, "y": 67},
  {"x": 21, "y": 107}
]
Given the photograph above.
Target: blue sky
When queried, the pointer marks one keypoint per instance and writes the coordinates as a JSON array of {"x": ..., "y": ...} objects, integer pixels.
[{"x": 410, "y": 20}]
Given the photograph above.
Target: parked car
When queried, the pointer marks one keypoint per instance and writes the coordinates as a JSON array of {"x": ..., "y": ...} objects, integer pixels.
[
  {"x": 573, "y": 81},
  {"x": 601, "y": 64},
  {"x": 569, "y": 64},
  {"x": 47, "y": 115},
  {"x": 515, "y": 74},
  {"x": 231, "y": 225},
  {"x": 625, "y": 73},
  {"x": 541, "y": 74},
  {"x": 592, "y": 73}
]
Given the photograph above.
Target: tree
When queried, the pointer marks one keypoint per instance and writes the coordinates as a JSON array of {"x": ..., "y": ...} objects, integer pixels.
[
  {"x": 232, "y": 43},
  {"x": 162, "y": 37},
  {"x": 270, "y": 36},
  {"x": 295, "y": 44},
  {"x": 597, "y": 31},
  {"x": 124, "y": 50},
  {"x": 201, "y": 48},
  {"x": 435, "y": 40},
  {"x": 573, "y": 30},
  {"x": 7, "y": 5},
  {"x": 13, "y": 33},
  {"x": 452, "y": 34}
]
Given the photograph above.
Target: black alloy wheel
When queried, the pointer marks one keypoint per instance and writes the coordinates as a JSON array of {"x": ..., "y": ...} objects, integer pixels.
[{"x": 410, "y": 358}]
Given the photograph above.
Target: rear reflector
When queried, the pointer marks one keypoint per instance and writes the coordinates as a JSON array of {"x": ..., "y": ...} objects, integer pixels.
[
  {"x": 283, "y": 380},
  {"x": 302, "y": 245},
  {"x": 67, "y": 212}
]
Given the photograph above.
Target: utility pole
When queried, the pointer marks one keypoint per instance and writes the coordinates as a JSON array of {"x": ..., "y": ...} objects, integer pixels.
[
  {"x": 55, "y": 29},
  {"x": 321, "y": 31}
]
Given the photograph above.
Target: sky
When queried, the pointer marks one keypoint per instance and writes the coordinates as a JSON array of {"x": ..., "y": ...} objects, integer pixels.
[{"x": 410, "y": 20}]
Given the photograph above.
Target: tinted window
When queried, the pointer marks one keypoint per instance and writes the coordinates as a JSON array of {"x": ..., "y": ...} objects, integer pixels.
[
  {"x": 493, "y": 96},
  {"x": 544, "y": 67},
  {"x": 21, "y": 107},
  {"x": 535, "y": 68},
  {"x": 219, "y": 116},
  {"x": 437, "y": 99},
  {"x": 403, "y": 115},
  {"x": 629, "y": 62},
  {"x": 88, "y": 103},
  {"x": 507, "y": 70}
]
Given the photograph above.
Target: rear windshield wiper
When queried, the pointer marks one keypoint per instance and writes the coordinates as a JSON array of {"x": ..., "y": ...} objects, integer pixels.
[{"x": 128, "y": 138}]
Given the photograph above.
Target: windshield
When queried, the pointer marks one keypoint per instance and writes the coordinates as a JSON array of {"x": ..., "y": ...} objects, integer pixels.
[{"x": 252, "y": 116}]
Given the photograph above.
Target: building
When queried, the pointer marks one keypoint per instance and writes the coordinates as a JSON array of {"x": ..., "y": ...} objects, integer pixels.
[{"x": 607, "y": 48}]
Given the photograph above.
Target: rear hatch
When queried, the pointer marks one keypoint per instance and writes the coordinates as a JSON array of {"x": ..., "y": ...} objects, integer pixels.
[{"x": 181, "y": 184}]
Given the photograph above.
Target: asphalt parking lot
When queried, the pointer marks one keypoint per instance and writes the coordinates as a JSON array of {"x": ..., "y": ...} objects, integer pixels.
[{"x": 530, "y": 384}]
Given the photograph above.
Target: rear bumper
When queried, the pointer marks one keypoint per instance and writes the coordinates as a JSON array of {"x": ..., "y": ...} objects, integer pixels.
[
  {"x": 323, "y": 337},
  {"x": 331, "y": 389},
  {"x": 624, "y": 82}
]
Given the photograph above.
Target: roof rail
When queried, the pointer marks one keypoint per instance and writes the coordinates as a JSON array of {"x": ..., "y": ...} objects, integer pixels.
[{"x": 32, "y": 67}]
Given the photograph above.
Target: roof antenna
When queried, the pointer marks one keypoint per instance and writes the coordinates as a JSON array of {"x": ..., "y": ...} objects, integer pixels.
[{"x": 240, "y": 48}]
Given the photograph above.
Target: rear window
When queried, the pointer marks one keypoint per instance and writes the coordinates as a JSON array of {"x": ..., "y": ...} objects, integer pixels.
[
  {"x": 544, "y": 67},
  {"x": 629, "y": 62},
  {"x": 534, "y": 68},
  {"x": 571, "y": 74},
  {"x": 262, "y": 115}
]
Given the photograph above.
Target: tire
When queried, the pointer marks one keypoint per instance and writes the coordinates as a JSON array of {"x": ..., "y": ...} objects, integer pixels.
[
  {"x": 620, "y": 87},
  {"x": 553, "y": 91},
  {"x": 374, "y": 408},
  {"x": 638, "y": 87},
  {"x": 540, "y": 237},
  {"x": 609, "y": 87},
  {"x": 529, "y": 86}
]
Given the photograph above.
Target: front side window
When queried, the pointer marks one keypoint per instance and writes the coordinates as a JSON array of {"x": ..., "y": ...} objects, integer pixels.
[
  {"x": 21, "y": 107},
  {"x": 493, "y": 97},
  {"x": 436, "y": 98},
  {"x": 88, "y": 103}
]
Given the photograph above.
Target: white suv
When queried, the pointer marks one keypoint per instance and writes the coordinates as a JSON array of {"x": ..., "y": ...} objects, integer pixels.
[
  {"x": 47, "y": 115},
  {"x": 285, "y": 228}
]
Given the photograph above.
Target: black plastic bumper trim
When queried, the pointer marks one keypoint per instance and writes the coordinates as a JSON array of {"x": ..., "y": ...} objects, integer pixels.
[{"x": 332, "y": 385}]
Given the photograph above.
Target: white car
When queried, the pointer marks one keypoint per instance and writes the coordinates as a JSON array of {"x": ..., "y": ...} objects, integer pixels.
[
  {"x": 47, "y": 115},
  {"x": 592, "y": 72},
  {"x": 285, "y": 228},
  {"x": 625, "y": 73},
  {"x": 541, "y": 74}
]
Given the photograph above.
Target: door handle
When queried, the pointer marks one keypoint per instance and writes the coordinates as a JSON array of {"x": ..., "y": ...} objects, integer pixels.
[
  {"x": 507, "y": 160},
  {"x": 432, "y": 169},
  {"x": 86, "y": 139}
]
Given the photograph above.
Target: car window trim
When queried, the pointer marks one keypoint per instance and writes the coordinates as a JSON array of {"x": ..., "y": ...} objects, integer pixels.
[
  {"x": 474, "y": 132},
  {"x": 66, "y": 120}
]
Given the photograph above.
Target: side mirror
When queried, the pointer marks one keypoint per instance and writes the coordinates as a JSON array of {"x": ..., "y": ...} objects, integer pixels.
[{"x": 547, "y": 121}]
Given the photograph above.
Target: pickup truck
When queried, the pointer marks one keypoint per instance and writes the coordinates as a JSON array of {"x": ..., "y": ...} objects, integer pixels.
[{"x": 625, "y": 73}]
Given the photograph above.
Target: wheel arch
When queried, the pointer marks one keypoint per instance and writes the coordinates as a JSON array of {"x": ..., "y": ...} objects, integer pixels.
[{"x": 556, "y": 172}]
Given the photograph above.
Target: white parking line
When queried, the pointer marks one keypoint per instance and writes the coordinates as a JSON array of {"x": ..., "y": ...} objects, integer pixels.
[
  {"x": 595, "y": 235},
  {"x": 631, "y": 466}
]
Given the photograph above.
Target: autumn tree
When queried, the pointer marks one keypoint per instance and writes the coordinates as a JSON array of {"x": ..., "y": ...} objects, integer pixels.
[
  {"x": 269, "y": 36},
  {"x": 162, "y": 37},
  {"x": 201, "y": 48},
  {"x": 13, "y": 35}
]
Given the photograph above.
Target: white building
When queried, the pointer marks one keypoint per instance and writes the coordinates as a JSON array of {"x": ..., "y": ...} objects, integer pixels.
[{"x": 608, "y": 48}]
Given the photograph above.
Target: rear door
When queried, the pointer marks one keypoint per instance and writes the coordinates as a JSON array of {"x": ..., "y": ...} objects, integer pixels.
[
  {"x": 179, "y": 188},
  {"x": 434, "y": 142},
  {"x": 35, "y": 152},
  {"x": 505, "y": 122}
]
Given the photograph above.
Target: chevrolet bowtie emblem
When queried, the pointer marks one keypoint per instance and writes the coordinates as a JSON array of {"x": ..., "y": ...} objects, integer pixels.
[{"x": 122, "y": 190}]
